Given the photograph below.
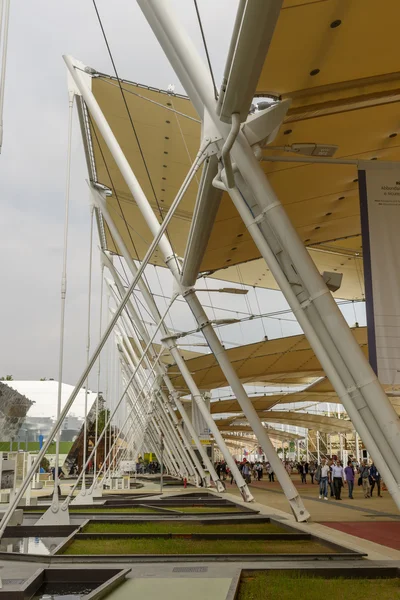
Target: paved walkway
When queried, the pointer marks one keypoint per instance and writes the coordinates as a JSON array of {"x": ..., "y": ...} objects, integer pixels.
[
  {"x": 359, "y": 509},
  {"x": 385, "y": 533},
  {"x": 172, "y": 588}
]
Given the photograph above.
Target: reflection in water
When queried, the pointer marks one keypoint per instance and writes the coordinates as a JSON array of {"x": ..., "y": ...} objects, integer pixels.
[
  {"x": 30, "y": 545},
  {"x": 63, "y": 591}
]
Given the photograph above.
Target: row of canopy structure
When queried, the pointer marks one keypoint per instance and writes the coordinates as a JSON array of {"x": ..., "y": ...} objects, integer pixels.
[{"x": 241, "y": 185}]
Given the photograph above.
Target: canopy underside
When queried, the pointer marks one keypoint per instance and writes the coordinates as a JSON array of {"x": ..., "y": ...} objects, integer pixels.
[
  {"x": 286, "y": 360},
  {"x": 344, "y": 82}
]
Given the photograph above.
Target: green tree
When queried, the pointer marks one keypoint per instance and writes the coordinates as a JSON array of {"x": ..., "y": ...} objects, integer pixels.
[
  {"x": 102, "y": 419},
  {"x": 7, "y": 378}
]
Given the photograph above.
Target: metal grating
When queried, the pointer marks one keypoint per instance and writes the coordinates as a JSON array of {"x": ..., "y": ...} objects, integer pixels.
[{"x": 190, "y": 569}]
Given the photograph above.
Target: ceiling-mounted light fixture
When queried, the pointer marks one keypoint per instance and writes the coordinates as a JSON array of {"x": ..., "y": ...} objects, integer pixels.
[
  {"x": 308, "y": 149},
  {"x": 190, "y": 345},
  {"x": 224, "y": 290}
]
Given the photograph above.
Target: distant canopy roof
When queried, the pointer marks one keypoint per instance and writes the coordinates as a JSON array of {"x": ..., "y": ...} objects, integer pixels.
[
  {"x": 263, "y": 403},
  {"x": 285, "y": 360},
  {"x": 335, "y": 60},
  {"x": 274, "y": 434},
  {"x": 298, "y": 419},
  {"x": 311, "y": 396}
]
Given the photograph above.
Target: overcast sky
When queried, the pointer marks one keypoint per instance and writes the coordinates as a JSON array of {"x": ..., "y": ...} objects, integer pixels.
[{"x": 33, "y": 166}]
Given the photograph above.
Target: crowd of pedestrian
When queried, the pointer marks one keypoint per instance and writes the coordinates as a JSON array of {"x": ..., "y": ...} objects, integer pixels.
[
  {"x": 330, "y": 475},
  {"x": 251, "y": 471},
  {"x": 149, "y": 468}
]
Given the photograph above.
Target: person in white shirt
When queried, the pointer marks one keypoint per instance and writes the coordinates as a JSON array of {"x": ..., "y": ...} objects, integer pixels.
[
  {"x": 323, "y": 482},
  {"x": 338, "y": 479}
]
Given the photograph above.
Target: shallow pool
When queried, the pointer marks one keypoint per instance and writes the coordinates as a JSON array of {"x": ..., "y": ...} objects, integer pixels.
[{"x": 64, "y": 591}]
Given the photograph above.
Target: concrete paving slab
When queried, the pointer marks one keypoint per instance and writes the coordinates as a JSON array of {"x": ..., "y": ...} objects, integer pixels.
[{"x": 173, "y": 589}]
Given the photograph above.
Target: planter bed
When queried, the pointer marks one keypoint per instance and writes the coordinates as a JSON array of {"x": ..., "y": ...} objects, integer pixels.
[
  {"x": 346, "y": 584},
  {"x": 208, "y": 536},
  {"x": 104, "y": 510},
  {"x": 210, "y": 509},
  {"x": 99, "y": 527},
  {"x": 156, "y": 545}
]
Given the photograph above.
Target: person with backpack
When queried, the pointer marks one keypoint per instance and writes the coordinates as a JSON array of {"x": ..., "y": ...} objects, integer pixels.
[
  {"x": 364, "y": 477},
  {"x": 375, "y": 479}
]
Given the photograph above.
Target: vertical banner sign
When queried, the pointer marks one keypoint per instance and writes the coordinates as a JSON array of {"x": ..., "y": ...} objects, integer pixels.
[{"x": 379, "y": 185}]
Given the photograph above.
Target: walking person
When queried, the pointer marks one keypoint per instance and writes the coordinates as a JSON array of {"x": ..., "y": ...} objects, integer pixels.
[
  {"x": 338, "y": 479},
  {"x": 300, "y": 470},
  {"x": 223, "y": 471},
  {"x": 330, "y": 477},
  {"x": 312, "y": 470},
  {"x": 375, "y": 479},
  {"x": 246, "y": 472},
  {"x": 349, "y": 477},
  {"x": 231, "y": 476},
  {"x": 322, "y": 475},
  {"x": 364, "y": 476},
  {"x": 270, "y": 472}
]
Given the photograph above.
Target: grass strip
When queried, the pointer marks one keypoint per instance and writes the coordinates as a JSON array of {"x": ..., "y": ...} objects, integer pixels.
[
  {"x": 276, "y": 585},
  {"x": 104, "y": 510},
  {"x": 151, "y": 527},
  {"x": 190, "y": 546},
  {"x": 205, "y": 509}
]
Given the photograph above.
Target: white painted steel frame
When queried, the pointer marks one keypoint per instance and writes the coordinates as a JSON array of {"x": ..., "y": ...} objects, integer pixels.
[
  {"x": 110, "y": 327},
  {"x": 192, "y": 73},
  {"x": 178, "y": 452},
  {"x": 98, "y": 198},
  {"x": 62, "y": 516},
  {"x": 155, "y": 313},
  {"x": 164, "y": 245},
  {"x": 158, "y": 371},
  {"x": 4, "y": 27},
  {"x": 322, "y": 322},
  {"x": 110, "y": 418},
  {"x": 161, "y": 370},
  {"x": 170, "y": 433}
]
